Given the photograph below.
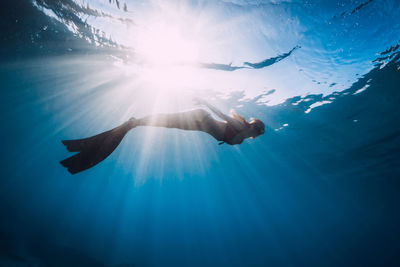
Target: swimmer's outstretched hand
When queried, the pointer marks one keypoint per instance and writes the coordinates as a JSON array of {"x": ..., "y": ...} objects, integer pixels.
[{"x": 133, "y": 122}]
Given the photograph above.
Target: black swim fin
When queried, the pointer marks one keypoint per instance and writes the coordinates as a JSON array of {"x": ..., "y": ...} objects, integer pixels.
[
  {"x": 93, "y": 149},
  {"x": 87, "y": 143}
]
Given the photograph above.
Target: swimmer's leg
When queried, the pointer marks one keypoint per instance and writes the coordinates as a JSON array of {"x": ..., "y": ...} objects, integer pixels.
[
  {"x": 193, "y": 120},
  {"x": 94, "y": 149}
]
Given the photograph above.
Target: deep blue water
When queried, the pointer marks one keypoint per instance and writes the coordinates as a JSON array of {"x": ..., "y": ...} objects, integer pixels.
[{"x": 319, "y": 188}]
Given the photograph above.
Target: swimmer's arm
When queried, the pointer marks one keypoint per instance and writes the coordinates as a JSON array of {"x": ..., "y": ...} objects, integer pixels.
[{"x": 234, "y": 122}]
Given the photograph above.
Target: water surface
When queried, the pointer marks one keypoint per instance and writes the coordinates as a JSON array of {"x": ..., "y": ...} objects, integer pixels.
[{"x": 320, "y": 187}]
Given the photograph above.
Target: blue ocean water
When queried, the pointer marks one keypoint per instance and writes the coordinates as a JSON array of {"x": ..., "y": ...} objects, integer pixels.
[{"x": 319, "y": 188}]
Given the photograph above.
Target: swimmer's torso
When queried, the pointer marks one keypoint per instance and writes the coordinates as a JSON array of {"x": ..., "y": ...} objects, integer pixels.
[{"x": 232, "y": 136}]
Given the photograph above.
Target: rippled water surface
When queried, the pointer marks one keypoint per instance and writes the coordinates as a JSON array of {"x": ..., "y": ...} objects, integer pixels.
[{"x": 320, "y": 187}]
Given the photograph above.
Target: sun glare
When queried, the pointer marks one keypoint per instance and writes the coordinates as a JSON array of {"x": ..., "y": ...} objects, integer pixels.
[
  {"x": 165, "y": 44},
  {"x": 167, "y": 51}
]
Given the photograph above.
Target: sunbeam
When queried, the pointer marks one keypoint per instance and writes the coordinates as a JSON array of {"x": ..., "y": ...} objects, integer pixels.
[
  {"x": 118, "y": 147},
  {"x": 163, "y": 44}
]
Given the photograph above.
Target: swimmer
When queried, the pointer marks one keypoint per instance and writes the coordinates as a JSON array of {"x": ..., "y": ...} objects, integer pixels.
[{"x": 232, "y": 130}]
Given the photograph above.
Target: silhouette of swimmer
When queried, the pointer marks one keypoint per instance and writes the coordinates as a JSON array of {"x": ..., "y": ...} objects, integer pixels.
[{"x": 233, "y": 130}]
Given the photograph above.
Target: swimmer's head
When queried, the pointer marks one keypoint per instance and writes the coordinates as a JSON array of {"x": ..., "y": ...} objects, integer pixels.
[{"x": 257, "y": 127}]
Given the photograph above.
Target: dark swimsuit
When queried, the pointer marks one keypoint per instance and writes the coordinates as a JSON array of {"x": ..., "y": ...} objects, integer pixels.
[{"x": 229, "y": 135}]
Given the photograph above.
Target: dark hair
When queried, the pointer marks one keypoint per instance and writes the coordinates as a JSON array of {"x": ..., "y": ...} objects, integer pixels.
[{"x": 258, "y": 124}]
